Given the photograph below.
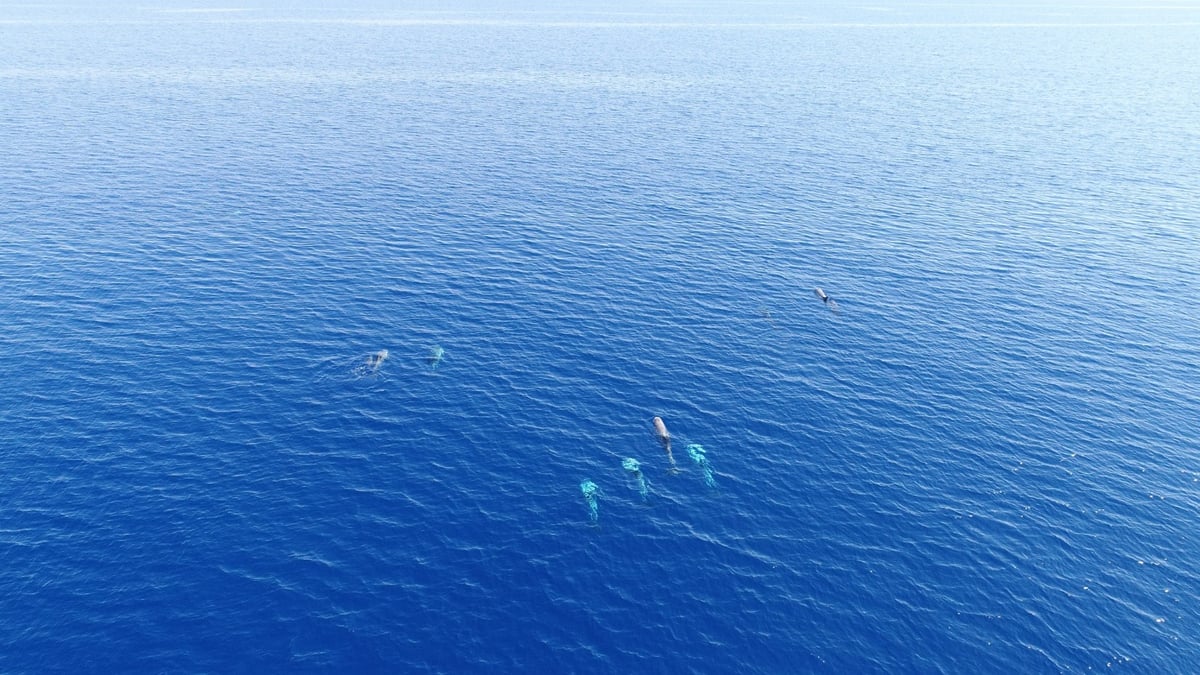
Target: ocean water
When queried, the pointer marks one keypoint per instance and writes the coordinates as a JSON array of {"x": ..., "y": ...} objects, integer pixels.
[{"x": 986, "y": 460}]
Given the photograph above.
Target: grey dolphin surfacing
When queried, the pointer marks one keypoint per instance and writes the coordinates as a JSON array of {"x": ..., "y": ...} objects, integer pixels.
[
  {"x": 826, "y": 299},
  {"x": 660, "y": 430},
  {"x": 664, "y": 437},
  {"x": 374, "y": 361}
]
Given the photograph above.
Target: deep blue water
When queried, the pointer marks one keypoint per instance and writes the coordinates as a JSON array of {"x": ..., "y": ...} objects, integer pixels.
[{"x": 986, "y": 461}]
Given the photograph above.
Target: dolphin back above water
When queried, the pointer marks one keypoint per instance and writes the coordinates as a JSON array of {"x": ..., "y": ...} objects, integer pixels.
[
  {"x": 369, "y": 365},
  {"x": 374, "y": 361},
  {"x": 664, "y": 437},
  {"x": 824, "y": 297},
  {"x": 660, "y": 432}
]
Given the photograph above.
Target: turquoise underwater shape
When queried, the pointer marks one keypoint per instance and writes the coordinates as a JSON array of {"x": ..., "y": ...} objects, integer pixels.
[
  {"x": 635, "y": 468},
  {"x": 435, "y": 356},
  {"x": 698, "y": 455},
  {"x": 591, "y": 495}
]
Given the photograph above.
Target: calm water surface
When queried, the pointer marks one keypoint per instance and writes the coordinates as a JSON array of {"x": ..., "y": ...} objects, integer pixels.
[{"x": 985, "y": 461}]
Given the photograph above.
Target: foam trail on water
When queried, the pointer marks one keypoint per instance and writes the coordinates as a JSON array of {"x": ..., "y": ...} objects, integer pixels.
[
  {"x": 635, "y": 469},
  {"x": 591, "y": 495},
  {"x": 696, "y": 452}
]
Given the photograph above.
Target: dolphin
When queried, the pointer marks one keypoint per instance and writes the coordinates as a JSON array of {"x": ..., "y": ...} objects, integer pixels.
[
  {"x": 826, "y": 299},
  {"x": 770, "y": 319},
  {"x": 435, "y": 357},
  {"x": 664, "y": 437},
  {"x": 374, "y": 361},
  {"x": 634, "y": 468},
  {"x": 591, "y": 493}
]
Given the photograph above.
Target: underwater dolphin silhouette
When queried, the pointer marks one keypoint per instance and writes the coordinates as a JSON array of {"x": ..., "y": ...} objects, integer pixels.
[
  {"x": 634, "y": 468},
  {"x": 820, "y": 295},
  {"x": 591, "y": 493},
  {"x": 435, "y": 357}
]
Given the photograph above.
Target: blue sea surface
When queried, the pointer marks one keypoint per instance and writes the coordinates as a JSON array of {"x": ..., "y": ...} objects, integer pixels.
[{"x": 987, "y": 459}]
